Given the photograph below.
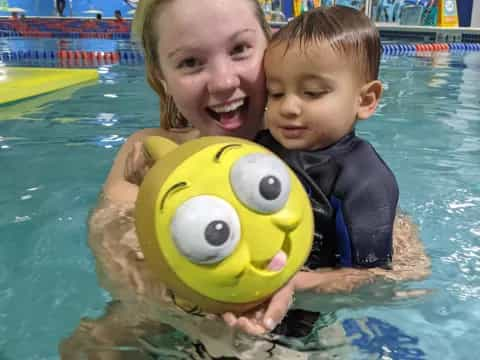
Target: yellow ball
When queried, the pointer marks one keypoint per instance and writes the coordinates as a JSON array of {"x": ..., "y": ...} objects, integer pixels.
[{"x": 222, "y": 221}]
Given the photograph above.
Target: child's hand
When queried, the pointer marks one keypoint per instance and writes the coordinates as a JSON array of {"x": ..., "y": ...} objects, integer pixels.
[
  {"x": 267, "y": 316},
  {"x": 137, "y": 164}
]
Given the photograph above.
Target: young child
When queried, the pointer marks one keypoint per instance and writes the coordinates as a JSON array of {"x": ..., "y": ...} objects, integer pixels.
[{"x": 322, "y": 78}]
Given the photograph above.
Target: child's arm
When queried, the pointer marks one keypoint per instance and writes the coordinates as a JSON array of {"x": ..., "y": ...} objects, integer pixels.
[{"x": 365, "y": 218}]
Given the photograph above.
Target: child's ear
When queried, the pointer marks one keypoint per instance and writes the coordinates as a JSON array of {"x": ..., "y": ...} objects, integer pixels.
[{"x": 370, "y": 95}]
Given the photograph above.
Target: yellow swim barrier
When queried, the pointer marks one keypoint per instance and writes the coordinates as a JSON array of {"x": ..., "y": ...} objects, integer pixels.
[{"x": 17, "y": 83}]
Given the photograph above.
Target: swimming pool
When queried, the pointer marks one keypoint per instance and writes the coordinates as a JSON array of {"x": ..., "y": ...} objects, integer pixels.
[{"x": 55, "y": 154}]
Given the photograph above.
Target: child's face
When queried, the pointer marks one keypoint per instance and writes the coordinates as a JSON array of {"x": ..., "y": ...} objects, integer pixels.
[
  {"x": 211, "y": 54},
  {"x": 313, "y": 95}
]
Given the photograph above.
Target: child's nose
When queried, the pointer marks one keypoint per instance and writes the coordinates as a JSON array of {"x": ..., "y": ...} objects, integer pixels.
[{"x": 290, "y": 106}]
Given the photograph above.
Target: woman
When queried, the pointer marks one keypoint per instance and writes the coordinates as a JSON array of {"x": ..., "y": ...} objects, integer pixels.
[{"x": 209, "y": 83}]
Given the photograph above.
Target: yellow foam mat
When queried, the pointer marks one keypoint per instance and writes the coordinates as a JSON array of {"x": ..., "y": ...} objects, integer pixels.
[
  {"x": 34, "y": 108},
  {"x": 17, "y": 83}
]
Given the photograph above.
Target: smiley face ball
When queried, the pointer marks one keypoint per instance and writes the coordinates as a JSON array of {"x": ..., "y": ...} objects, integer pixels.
[{"x": 222, "y": 221}]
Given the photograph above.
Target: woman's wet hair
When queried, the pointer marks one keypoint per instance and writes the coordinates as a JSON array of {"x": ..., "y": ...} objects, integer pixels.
[
  {"x": 143, "y": 31},
  {"x": 347, "y": 30}
]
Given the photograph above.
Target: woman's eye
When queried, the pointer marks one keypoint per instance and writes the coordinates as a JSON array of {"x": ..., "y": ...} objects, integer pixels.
[
  {"x": 239, "y": 50},
  {"x": 261, "y": 182},
  {"x": 205, "y": 229},
  {"x": 189, "y": 63}
]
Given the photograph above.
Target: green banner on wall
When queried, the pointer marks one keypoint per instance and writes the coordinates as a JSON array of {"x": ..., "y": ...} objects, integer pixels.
[{"x": 4, "y": 5}]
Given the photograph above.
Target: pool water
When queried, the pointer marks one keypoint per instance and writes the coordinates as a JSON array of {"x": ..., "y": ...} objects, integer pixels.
[{"x": 55, "y": 154}]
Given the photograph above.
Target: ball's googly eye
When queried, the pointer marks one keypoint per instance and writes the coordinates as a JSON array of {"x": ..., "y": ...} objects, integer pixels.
[
  {"x": 261, "y": 182},
  {"x": 270, "y": 187},
  {"x": 217, "y": 233},
  {"x": 205, "y": 229}
]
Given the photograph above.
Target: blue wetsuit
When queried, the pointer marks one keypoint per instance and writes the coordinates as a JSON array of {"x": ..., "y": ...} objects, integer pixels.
[{"x": 354, "y": 198}]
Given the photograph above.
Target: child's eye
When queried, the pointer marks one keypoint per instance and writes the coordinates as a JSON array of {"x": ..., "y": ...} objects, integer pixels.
[
  {"x": 240, "y": 50},
  {"x": 275, "y": 94},
  {"x": 314, "y": 94},
  {"x": 189, "y": 63}
]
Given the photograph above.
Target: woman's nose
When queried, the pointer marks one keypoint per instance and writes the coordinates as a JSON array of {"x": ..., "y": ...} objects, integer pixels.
[{"x": 223, "y": 79}]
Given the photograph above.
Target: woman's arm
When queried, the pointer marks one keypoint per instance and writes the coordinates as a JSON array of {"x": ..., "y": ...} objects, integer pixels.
[
  {"x": 327, "y": 281},
  {"x": 131, "y": 164},
  {"x": 117, "y": 187}
]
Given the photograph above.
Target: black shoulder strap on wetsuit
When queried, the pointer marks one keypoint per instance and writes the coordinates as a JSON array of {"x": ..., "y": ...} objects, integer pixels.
[{"x": 316, "y": 171}]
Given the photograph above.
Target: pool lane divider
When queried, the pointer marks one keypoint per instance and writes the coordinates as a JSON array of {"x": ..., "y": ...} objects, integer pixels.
[
  {"x": 65, "y": 35},
  {"x": 417, "y": 48},
  {"x": 71, "y": 58},
  {"x": 89, "y": 59}
]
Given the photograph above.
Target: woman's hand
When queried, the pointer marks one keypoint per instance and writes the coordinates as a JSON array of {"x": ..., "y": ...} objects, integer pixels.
[
  {"x": 137, "y": 164},
  {"x": 267, "y": 316}
]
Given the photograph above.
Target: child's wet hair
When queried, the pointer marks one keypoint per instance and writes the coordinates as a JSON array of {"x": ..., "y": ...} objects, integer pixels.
[
  {"x": 143, "y": 30},
  {"x": 347, "y": 30}
]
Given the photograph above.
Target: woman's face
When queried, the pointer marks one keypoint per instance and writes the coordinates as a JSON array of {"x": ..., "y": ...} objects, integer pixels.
[{"x": 211, "y": 55}]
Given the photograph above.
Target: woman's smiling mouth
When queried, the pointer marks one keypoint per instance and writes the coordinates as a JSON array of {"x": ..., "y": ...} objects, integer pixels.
[{"x": 229, "y": 116}]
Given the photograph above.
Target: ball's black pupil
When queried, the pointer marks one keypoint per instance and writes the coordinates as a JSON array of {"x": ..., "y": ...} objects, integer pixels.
[
  {"x": 217, "y": 233},
  {"x": 270, "y": 187}
]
